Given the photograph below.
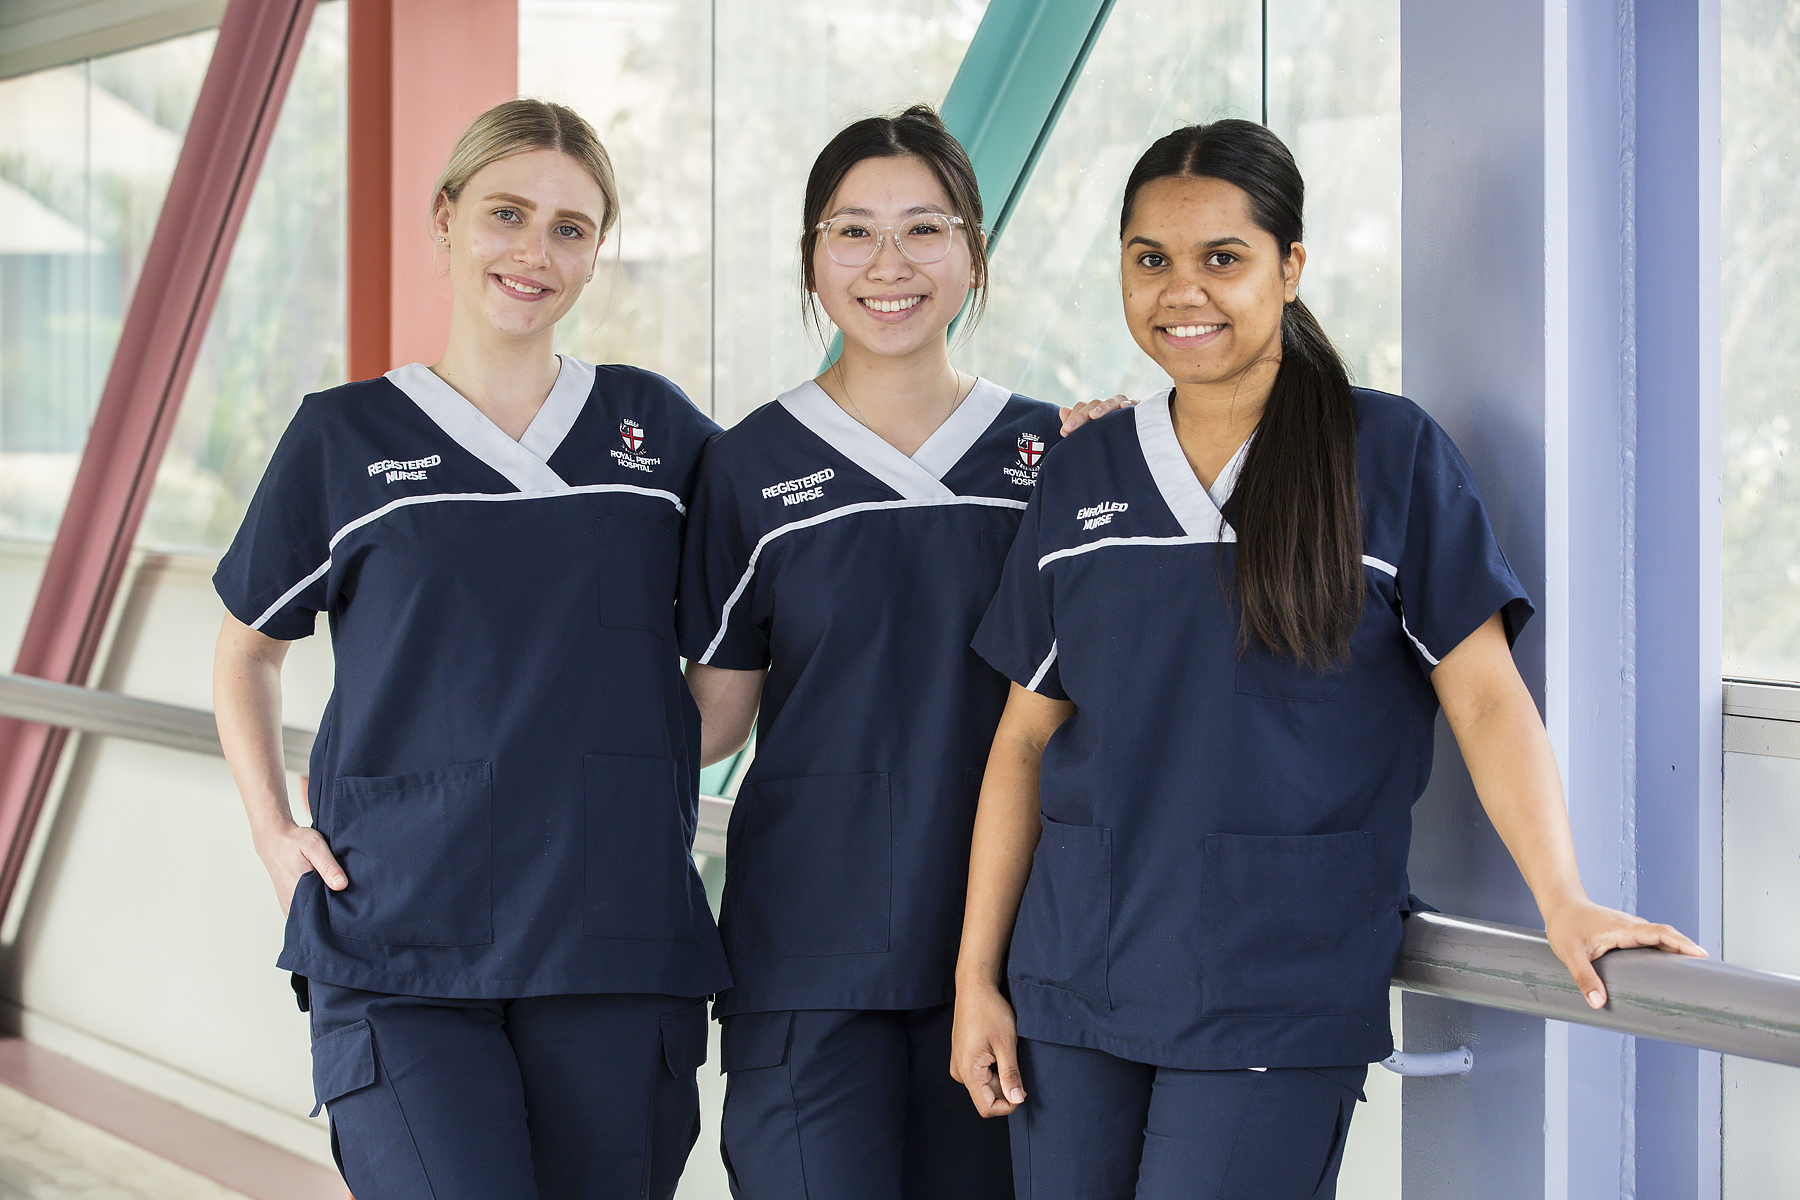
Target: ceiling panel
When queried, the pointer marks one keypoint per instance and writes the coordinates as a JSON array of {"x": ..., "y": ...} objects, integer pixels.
[{"x": 35, "y": 34}]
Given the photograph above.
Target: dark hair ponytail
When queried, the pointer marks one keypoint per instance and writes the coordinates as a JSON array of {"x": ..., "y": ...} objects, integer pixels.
[{"x": 1296, "y": 508}]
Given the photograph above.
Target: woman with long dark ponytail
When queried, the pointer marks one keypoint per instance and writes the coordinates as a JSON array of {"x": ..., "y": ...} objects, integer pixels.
[{"x": 1230, "y": 619}]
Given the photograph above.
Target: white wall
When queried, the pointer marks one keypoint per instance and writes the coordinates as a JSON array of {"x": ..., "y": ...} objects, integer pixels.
[
  {"x": 1761, "y": 1156},
  {"x": 144, "y": 936}
]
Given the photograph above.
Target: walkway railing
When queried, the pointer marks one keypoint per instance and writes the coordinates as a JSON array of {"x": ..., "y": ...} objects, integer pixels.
[
  {"x": 88, "y": 711},
  {"x": 1691, "y": 1001}
]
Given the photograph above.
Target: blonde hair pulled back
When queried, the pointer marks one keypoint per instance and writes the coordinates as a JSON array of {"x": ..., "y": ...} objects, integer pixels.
[{"x": 518, "y": 127}]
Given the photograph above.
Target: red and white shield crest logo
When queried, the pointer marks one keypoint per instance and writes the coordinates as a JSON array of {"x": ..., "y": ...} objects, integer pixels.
[
  {"x": 1031, "y": 449},
  {"x": 633, "y": 433}
]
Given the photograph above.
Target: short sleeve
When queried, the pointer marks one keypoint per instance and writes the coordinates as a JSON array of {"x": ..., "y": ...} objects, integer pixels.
[
  {"x": 1451, "y": 576},
  {"x": 697, "y": 428},
  {"x": 712, "y": 608},
  {"x": 1018, "y": 634},
  {"x": 275, "y": 576}
]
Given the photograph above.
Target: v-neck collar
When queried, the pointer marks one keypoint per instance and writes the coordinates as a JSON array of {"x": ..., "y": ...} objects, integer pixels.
[
  {"x": 568, "y": 396},
  {"x": 524, "y": 463},
  {"x": 919, "y": 477},
  {"x": 1199, "y": 510},
  {"x": 962, "y": 428}
]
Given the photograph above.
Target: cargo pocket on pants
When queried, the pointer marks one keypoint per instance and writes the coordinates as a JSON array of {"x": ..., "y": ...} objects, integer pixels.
[
  {"x": 684, "y": 1040},
  {"x": 370, "y": 1140},
  {"x": 810, "y": 868},
  {"x": 751, "y": 1041},
  {"x": 641, "y": 884},
  {"x": 1065, "y": 916},
  {"x": 343, "y": 1062},
  {"x": 1289, "y": 927}
]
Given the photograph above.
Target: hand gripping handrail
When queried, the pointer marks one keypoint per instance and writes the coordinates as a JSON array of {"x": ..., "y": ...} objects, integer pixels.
[{"x": 1671, "y": 997}]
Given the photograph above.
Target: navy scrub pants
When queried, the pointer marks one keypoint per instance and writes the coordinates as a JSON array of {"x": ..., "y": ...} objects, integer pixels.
[
  {"x": 853, "y": 1105},
  {"x": 1096, "y": 1127},
  {"x": 544, "y": 1098}
]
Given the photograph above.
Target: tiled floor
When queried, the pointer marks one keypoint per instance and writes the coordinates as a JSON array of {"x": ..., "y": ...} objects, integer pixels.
[
  {"x": 46, "y": 1154},
  {"x": 69, "y": 1132},
  {"x": 30, "y": 1170}
]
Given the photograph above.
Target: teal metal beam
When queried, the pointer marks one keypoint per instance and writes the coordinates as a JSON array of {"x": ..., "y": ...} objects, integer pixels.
[{"x": 1011, "y": 87}]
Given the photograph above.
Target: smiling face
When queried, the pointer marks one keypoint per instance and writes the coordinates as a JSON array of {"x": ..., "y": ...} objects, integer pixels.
[
  {"x": 522, "y": 239},
  {"x": 1204, "y": 284},
  {"x": 892, "y": 306}
]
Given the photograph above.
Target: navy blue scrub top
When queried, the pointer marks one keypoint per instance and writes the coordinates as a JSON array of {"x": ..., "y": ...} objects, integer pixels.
[
  {"x": 506, "y": 769},
  {"x": 1222, "y": 870},
  {"x": 856, "y": 575}
]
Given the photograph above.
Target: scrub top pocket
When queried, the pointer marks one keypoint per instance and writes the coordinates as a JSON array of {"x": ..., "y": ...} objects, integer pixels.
[
  {"x": 1065, "y": 917},
  {"x": 811, "y": 868},
  {"x": 640, "y": 878},
  {"x": 1289, "y": 925},
  {"x": 640, "y": 553},
  {"x": 1278, "y": 677},
  {"x": 418, "y": 849}
]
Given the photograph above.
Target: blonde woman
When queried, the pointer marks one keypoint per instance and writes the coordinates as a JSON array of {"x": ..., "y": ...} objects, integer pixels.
[{"x": 493, "y": 918}]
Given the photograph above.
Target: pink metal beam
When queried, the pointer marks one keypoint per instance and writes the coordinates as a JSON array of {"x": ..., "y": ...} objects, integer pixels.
[
  {"x": 234, "y": 118},
  {"x": 420, "y": 70}
]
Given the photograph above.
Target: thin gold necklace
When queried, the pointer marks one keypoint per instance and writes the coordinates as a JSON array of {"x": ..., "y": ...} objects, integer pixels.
[{"x": 957, "y": 395}]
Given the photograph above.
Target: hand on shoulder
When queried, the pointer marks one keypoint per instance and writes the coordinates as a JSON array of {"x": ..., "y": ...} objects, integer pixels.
[{"x": 1091, "y": 410}]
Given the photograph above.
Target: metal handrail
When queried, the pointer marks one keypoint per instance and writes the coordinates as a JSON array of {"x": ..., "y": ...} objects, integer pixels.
[
  {"x": 112, "y": 715},
  {"x": 1671, "y": 997},
  {"x": 88, "y": 711},
  {"x": 1691, "y": 1001}
]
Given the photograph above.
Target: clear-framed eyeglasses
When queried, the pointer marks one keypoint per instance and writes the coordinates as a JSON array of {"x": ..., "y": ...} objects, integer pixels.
[{"x": 923, "y": 238}]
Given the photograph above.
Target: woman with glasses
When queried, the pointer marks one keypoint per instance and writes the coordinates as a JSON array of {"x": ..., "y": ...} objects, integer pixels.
[
  {"x": 1189, "y": 867},
  {"x": 843, "y": 542},
  {"x": 493, "y": 916}
]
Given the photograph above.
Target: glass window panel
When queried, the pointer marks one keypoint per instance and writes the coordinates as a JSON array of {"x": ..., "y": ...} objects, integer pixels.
[
  {"x": 713, "y": 114},
  {"x": 790, "y": 75},
  {"x": 1334, "y": 98},
  {"x": 1758, "y": 352},
  {"x": 1053, "y": 327},
  {"x": 641, "y": 73},
  {"x": 277, "y": 331},
  {"x": 86, "y": 152}
]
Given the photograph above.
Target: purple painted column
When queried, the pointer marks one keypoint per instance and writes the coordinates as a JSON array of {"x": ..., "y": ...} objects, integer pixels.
[
  {"x": 1559, "y": 312},
  {"x": 1474, "y": 306},
  {"x": 1680, "y": 767}
]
